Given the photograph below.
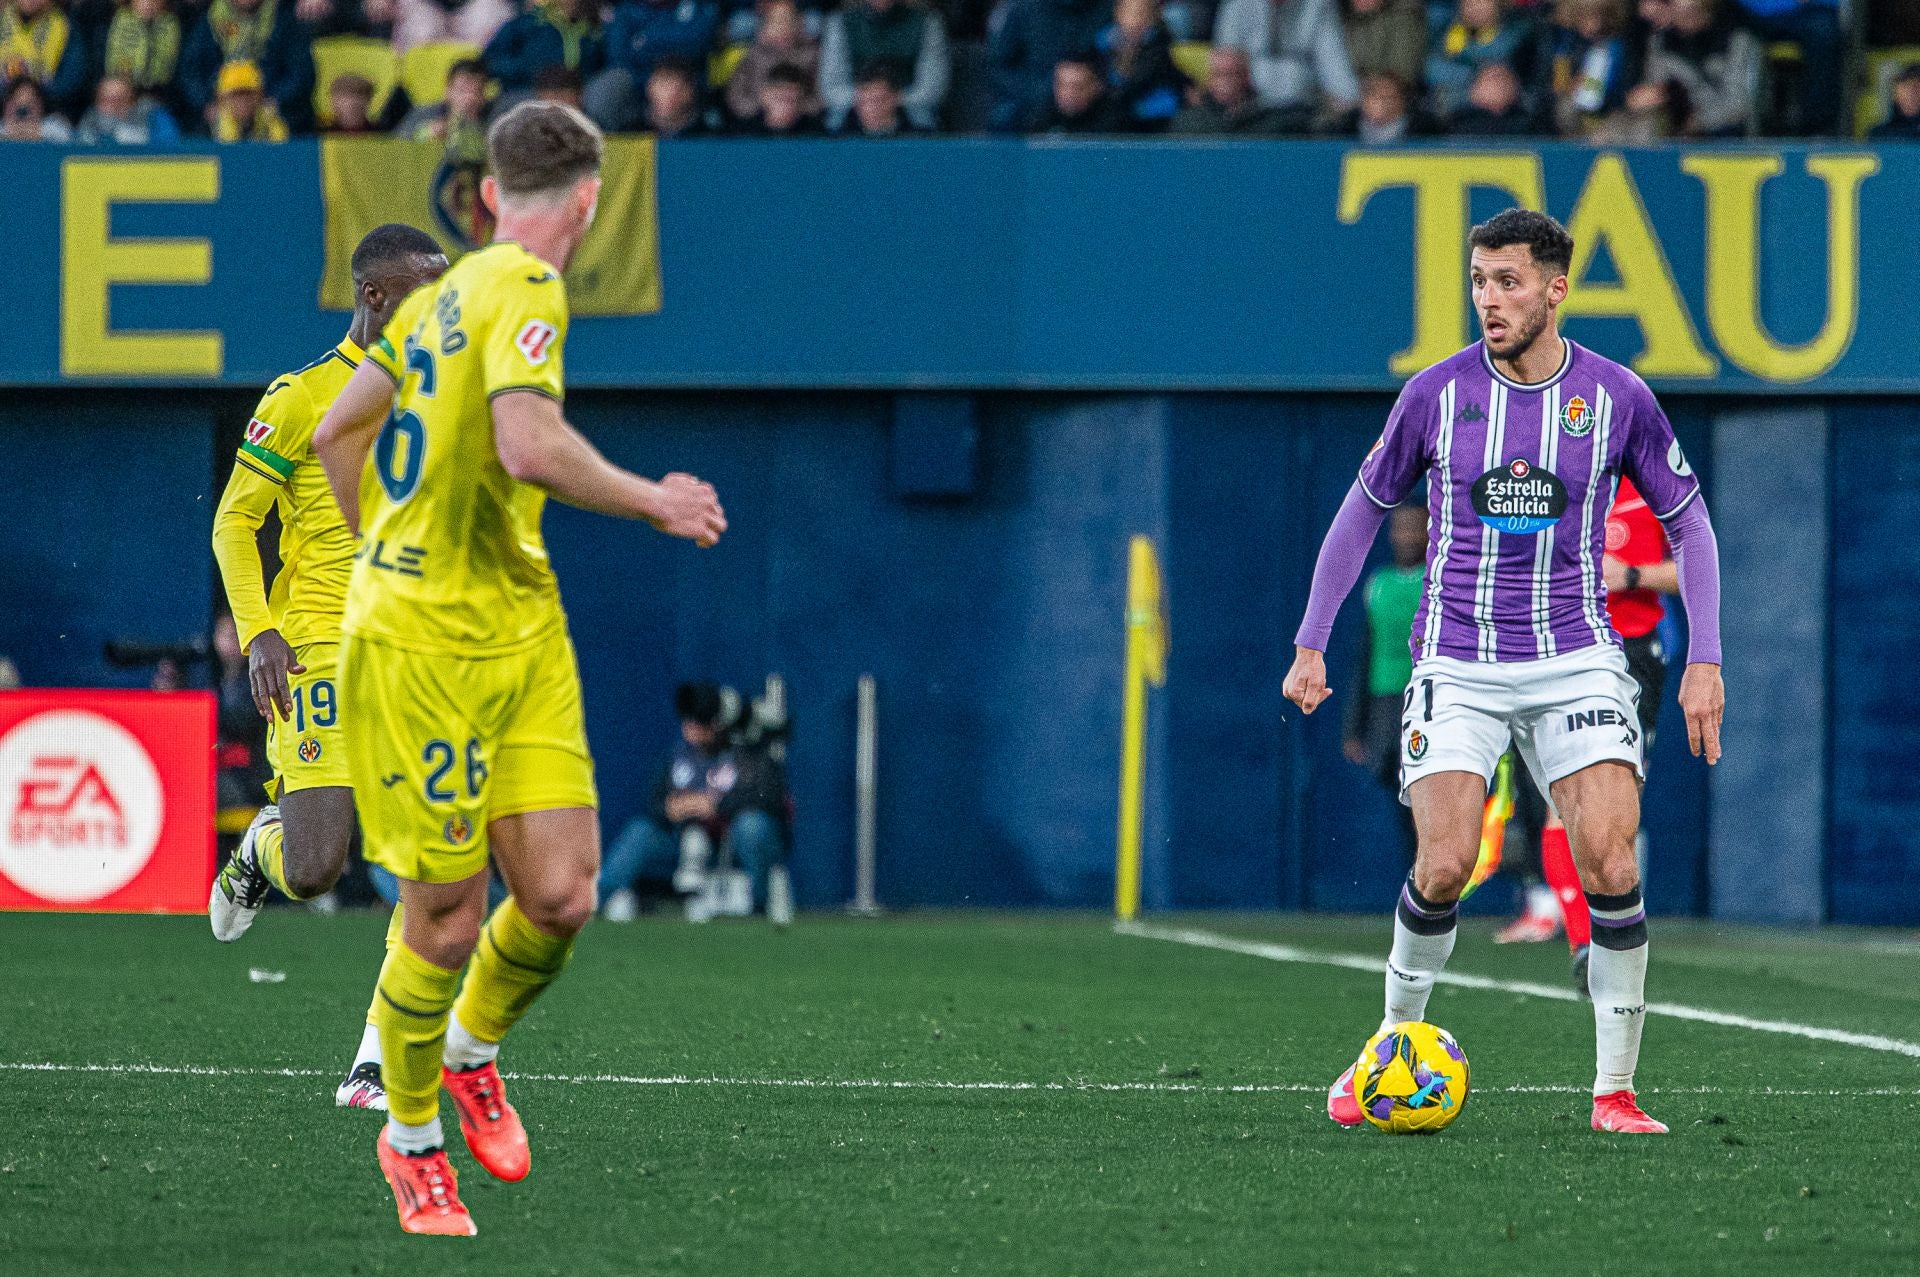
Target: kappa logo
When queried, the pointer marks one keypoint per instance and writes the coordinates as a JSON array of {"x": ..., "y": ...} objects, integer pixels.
[
  {"x": 309, "y": 750},
  {"x": 1417, "y": 744},
  {"x": 457, "y": 830},
  {"x": 535, "y": 339},
  {"x": 1576, "y": 417},
  {"x": 1471, "y": 412},
  {"x": 258, "y": 430}
]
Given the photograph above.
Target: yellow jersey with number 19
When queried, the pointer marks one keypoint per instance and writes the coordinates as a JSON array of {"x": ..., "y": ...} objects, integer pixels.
[{"x": 451, "y": 559}]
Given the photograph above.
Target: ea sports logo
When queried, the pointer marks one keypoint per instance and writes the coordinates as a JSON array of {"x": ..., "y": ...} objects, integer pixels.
[{"x": 84, "y": 806}]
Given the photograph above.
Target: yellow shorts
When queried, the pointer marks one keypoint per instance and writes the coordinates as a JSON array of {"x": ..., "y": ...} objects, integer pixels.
[
  {"x": 309, "y": 751},
  {"x": 441, "y": 745}
]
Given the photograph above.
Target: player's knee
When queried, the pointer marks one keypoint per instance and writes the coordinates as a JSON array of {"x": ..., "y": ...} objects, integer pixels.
[
  {"x": 448, "y": 942},
  {"x": 1441, "y": 877},
  {"x": 312, "y": 867},
  {"x": 563, "y": 911},
  {"x": 1613, "y": 875}
]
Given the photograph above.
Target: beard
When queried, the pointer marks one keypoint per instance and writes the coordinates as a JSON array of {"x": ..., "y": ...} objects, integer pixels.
[{"x": 1521, "y": 334}]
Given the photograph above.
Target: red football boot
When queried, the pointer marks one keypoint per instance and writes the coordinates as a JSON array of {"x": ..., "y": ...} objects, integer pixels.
[
  {"x": 425, "y": 1190},
  {"x": 1341, "y": 1106},
  {"x": 494, "y": 1134},
  {"x": 1617, "y": 1111}
]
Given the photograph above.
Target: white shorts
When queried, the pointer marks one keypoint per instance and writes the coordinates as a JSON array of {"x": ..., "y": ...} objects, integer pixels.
[{"x": 1563, "y": 713}]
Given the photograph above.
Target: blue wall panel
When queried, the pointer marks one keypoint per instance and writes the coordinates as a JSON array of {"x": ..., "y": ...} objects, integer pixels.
[{"x": 1874, "y": 852}]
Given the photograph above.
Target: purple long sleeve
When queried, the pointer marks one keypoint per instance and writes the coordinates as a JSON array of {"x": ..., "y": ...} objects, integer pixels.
[
  {"x": 1342, "y": 555},
  {"x": 1697, "y": 555}
]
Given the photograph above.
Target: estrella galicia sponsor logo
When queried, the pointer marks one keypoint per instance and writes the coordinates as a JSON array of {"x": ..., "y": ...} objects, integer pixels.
[
  {"x": 1417, "y": 743},
  {"x": 1576, "y": 417},
  {"x": 1471, "y": 412},
  {"x": 1519, "y": 498},
  {"x": 309, "y": 750}
]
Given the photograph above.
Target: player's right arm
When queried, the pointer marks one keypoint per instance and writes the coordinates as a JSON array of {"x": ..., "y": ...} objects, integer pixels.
[
  {"x": 260, "y": 470},
  {"x": 347, "y": 432},
  {"x": 1386, "y": 477},
  {"x": 538, "y": 446}
]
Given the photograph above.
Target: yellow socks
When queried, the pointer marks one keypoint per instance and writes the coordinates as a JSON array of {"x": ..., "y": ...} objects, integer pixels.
[
  {"x": 269, "y": 851},
  {"x": 410, "y": 1008},
  {"x": 513, "y": 963},
  {"x": 393, "y": 938}
]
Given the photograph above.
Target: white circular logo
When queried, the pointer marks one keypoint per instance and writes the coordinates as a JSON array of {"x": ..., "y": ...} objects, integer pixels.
[
  {"x": 1677, "y": 460},
  {"x": 83, "y": 806}
]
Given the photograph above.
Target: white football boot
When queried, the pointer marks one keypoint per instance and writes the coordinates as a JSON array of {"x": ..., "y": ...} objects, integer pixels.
[{"x": 240, "y": 888}]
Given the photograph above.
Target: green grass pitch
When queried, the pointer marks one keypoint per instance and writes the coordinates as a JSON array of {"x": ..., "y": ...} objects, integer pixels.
[{"x": 1788, "y": 1155}]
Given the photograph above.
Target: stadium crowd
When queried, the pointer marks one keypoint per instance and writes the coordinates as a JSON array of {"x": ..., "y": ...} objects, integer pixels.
[{"x": 149, "y": 72}]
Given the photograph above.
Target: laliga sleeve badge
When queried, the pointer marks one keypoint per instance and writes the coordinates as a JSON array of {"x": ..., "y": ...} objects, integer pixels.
[{"x": 1677, "y": 460}]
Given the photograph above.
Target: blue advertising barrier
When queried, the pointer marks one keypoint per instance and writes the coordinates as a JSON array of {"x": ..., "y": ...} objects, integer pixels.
[{"x": 1005, "y": 264}]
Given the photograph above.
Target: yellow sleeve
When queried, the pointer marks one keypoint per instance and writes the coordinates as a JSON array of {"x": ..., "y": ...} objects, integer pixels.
[
  {"x": 522, "y": 341},
  {"x": 280, "y": 431}
]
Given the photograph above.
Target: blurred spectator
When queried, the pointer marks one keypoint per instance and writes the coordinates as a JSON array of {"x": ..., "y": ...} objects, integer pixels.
[
  {"x": 877, "y": 108},
  {"x": 262, "y": 34},
  {"x": 168, "y": 676},
  {"x": 1029, "y": 39},
  {"x": 346, "y": 17},
  {"x": 559, "y": 84},
  {"x": 9, "y": 675},
  {"x": 458, "y": 119},
  {"x": 1298, "y": 53},
  {"x": 1137, "y": 57},
  {"x": 350, "y": 104},
  {"x": 786, "y": 94},
  {"x": 1386, "y": 35},
  {"x": 26, "y": 118},
  {"x": 120, "y": 115},
  {"x": 1493, "y": 107},
  {"x": 780, "y": 40},
  {"x": 1081, "y": 102},
  {"x": 870, "y": 31},
  {"x": 673, "y": 99},
  {"x": 1370, "y": 727},
  {"x": 711, "y": 791},
  {"x": 1700, "y": 72},
  {"x": 241, "y": 749},
  {"x": 642, "y": 33},
  {"x": 1226, "y": 103},
  {"x": 1588, "y": 64},
  {"x": 38, "y": 43},
  {"x": 474, "y": 22},
  {"x": 242, "y": 112},
  {"x": 1903, "y": 111},
  {"x": 1814, "y": 25},
  {"x": 1386, "y": 113},
  {"x": 1471, "y": 35},
  {"x": 552, "y": 33},
  {"x": 143, "y": 46}
]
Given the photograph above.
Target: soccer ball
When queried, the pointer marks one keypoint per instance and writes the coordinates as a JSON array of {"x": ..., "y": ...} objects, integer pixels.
[{"x": 1411, "y": 1079}]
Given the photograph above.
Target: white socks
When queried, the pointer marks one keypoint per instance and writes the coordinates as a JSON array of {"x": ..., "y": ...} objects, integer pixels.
[
  {"x": 1617, "y": 979},
  {"x": 1423, "y": 936},
  {"x": 414, "y": 1139},
  {"x": 369, "y": 1047},
  {"x": 465, "y": 1051}
]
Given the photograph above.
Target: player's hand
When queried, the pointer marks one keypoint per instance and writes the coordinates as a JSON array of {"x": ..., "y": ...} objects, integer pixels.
[
  {"x": 1703, "y": 699},
  {"x": 269, "y": 663},
  {"x": 1355, "y": 750},
  {"x": 689, "y": 508},
  {"x": 1306, "y": 684},
  {"x": 1614, "y": 572}
]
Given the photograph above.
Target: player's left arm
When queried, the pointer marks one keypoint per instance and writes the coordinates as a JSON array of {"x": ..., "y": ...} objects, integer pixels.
[
  {"x": 1655, "y": 462},
  {"x": 346, "y": 434}
]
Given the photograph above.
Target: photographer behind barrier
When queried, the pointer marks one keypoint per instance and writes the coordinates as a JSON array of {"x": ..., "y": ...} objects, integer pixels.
[{"x": 722, "y": 788}]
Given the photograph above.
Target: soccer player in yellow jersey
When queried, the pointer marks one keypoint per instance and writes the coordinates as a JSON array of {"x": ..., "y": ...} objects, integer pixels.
[
  {"x": 459, "y": 690},
  {"x": 291, "y": 634}
]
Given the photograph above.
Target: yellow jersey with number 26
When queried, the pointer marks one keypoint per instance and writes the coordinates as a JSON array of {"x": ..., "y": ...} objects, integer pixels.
[{"x": 451, "y": 559}]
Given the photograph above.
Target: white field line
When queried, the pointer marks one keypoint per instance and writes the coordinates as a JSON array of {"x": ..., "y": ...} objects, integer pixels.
[
  {"x": 919, "y": 1084},
  {"x": 1377, "y": 966}
]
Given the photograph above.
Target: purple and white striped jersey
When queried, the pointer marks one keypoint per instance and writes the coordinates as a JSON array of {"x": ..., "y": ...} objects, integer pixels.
[{"x": 1520, "y": 479}]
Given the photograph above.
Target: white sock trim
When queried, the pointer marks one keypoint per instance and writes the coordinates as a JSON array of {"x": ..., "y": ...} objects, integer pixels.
[
  {"x": 369, "y": 1051},
  {"x": 465, "y": 1051},
  {"x": 415, "y": 1139}
]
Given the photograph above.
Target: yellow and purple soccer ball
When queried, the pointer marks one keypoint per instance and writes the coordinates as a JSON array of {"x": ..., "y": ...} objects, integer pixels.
[{"x": 1411, "y": 1079}]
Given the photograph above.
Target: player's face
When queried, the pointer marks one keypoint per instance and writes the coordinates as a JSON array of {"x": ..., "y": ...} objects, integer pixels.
[
  {"x": 1514, "y": 297},
  {"x": 384, "y": 295}
]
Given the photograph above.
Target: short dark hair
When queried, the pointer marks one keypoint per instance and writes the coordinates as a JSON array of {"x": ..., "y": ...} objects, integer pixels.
[
  {"x": 1088, "y": 58},
  {"x": 539, "y": 147},
  {"x": 386, "y": 247},
  {"x": 1545, "y": 238},
  {"x": 697, "y": 703},
  {"x": 891, "y": 70},
  {"x": 682, "y": 67},
  {"x": 1911, "y": 71},
  {"x": 787, "y": 73},
  {"x": 467, "y": 66}
]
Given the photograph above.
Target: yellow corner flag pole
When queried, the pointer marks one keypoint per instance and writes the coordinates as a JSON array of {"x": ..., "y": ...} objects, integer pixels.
[{"x": 1146, "y": 663}]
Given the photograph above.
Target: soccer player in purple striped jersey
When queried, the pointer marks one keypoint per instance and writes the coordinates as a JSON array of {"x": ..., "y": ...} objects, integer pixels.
[{"x": 1522, "y": 438}]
